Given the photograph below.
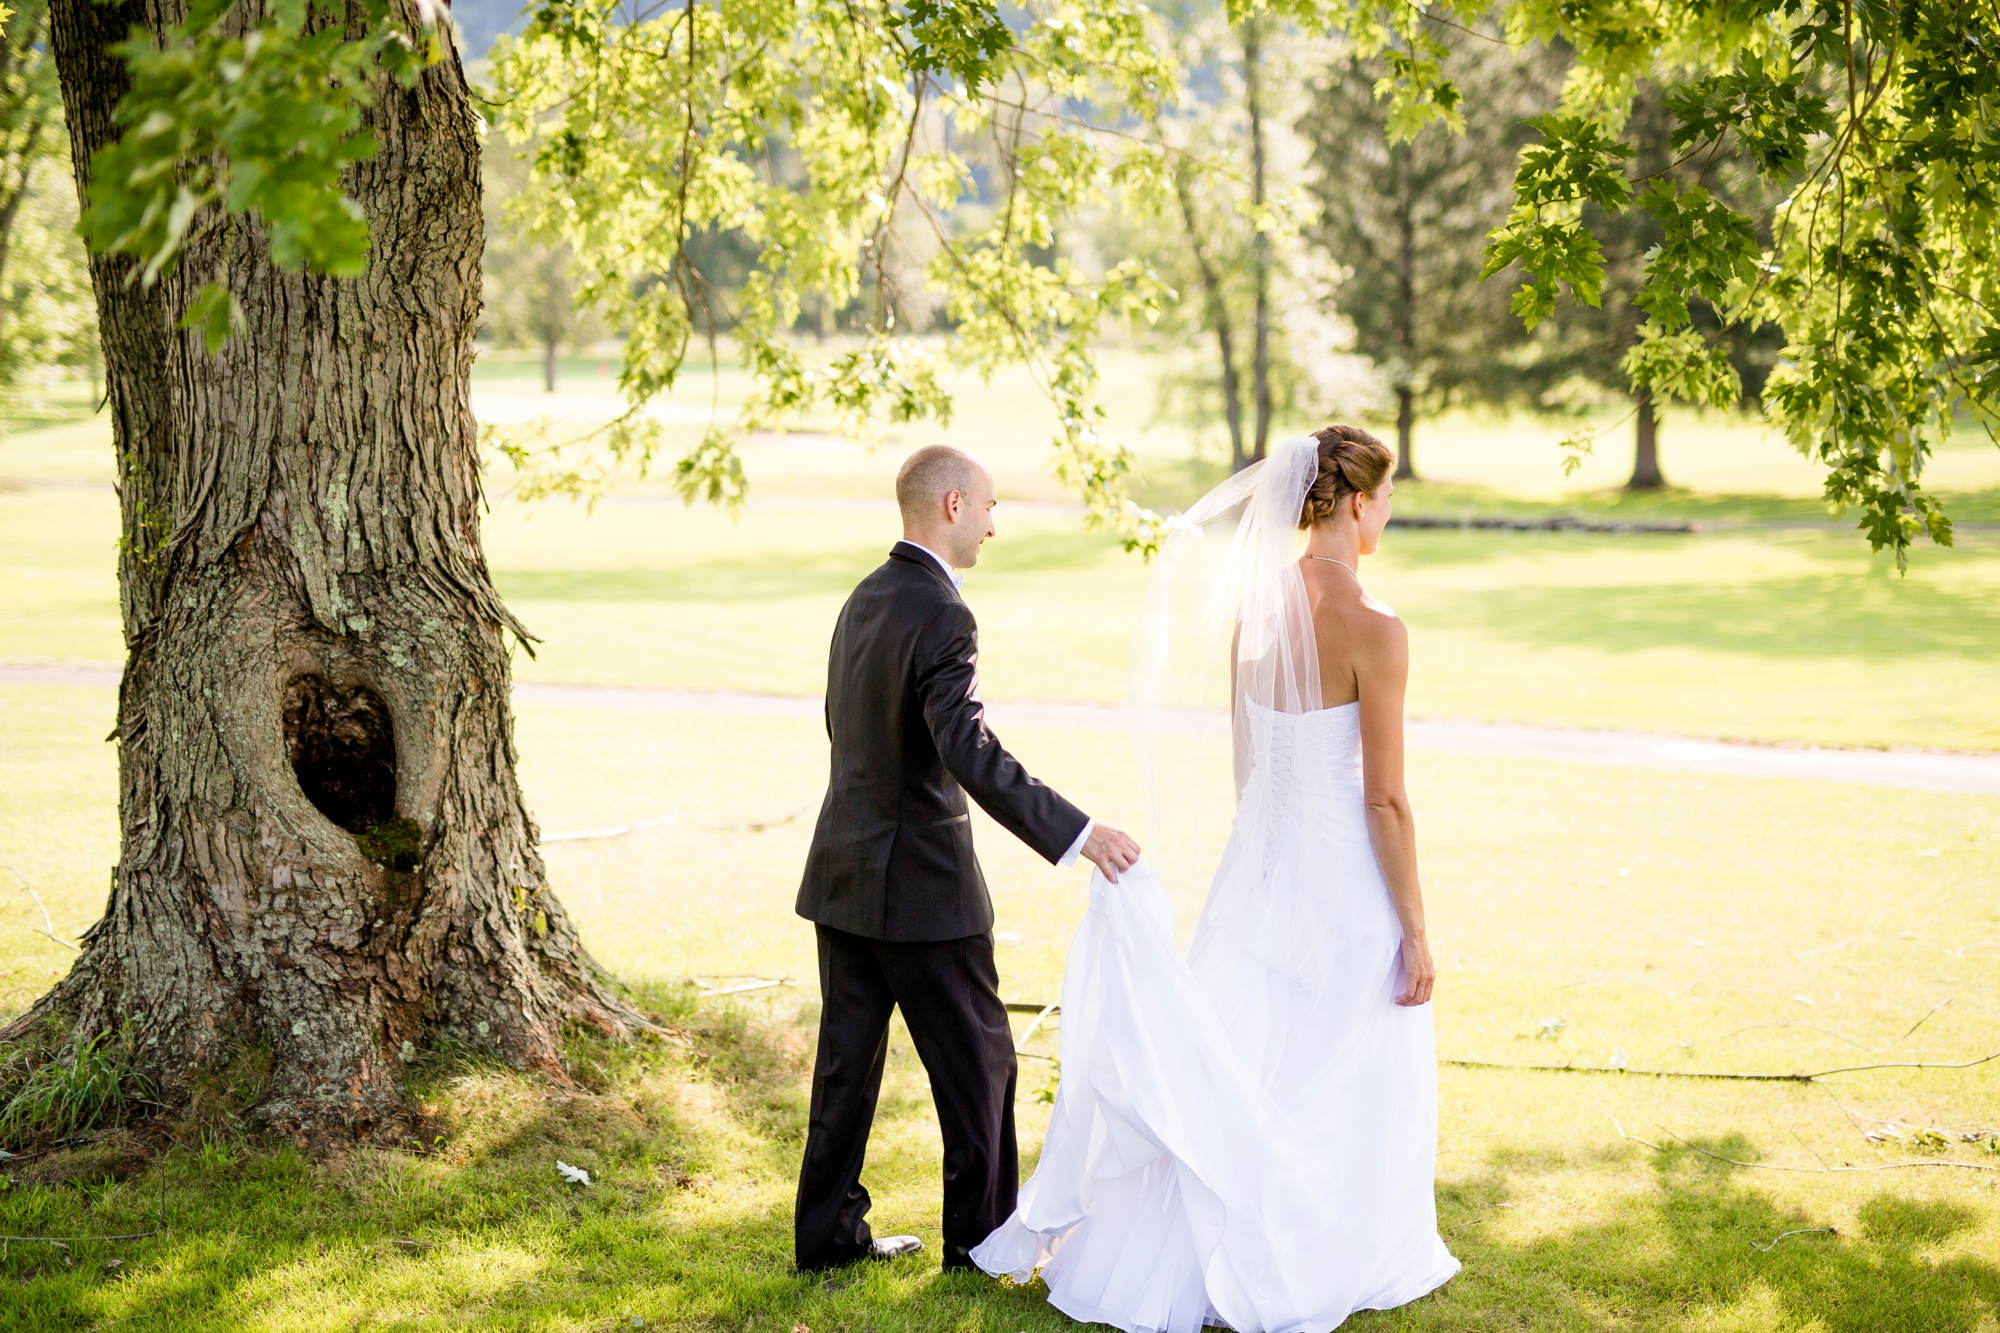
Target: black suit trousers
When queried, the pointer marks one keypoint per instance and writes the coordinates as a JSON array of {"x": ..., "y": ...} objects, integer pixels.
[{"x": 950, "y": 997}]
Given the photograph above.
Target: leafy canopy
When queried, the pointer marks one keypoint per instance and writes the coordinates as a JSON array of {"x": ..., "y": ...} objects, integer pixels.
[
  {"x": 832, "y": 139},
  {"x": 1882, "y": 272},
  {"x": 841, "y": 143},
  {"x": 260, "y": 119}
]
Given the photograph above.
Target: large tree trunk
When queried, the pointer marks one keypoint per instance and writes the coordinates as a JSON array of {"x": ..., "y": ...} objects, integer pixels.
[{"x": 324, "y": 848}]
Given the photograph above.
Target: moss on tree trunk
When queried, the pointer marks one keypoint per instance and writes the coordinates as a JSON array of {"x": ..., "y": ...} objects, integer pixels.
[{"x": 324, "y": 847}]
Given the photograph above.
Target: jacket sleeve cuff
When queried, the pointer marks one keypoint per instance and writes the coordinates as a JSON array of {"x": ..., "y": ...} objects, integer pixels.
[{"x": 1076, "y": 848}]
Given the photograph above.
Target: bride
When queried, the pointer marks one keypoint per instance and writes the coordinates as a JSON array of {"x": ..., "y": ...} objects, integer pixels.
[{"x": 1247, "y": 1135}]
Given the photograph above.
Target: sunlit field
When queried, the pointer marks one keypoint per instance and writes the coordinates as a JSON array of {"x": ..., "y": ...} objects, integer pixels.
[{"x": 1630, "y": 921}]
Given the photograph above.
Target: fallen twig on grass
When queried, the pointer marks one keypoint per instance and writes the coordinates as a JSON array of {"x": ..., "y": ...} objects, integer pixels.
[
  {"x": 1900, "y": 1064},
  {"x": 1802, "y": 1231},
  {"x": 64, "y": 1242},
  {"x": 1775, "y": 1166},
  {"x": 1045, "y": 1011},
  {"x": 754, "y": 983},
  {"x": 1879, "y": 1166},
  {"x": 1927, "y": 1017},
  {"x": 1691, "y": 1073},
  {"x": 48, "y": 926},
  {"x": 1851, "y": 1118}
]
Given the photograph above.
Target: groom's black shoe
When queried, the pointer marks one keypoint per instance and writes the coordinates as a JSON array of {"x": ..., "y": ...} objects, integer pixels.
[{"x": 893, "y": 1247}]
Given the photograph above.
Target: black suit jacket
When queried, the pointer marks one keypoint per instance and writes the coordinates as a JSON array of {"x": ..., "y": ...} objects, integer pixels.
[{"x": 892, "y": 856}]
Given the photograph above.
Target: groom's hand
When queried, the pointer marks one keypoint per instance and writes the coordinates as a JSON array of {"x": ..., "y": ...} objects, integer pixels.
[{"x": 1110, "y": 851}]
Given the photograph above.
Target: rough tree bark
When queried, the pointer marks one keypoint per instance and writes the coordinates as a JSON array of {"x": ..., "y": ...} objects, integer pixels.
[{"x": 324, "y": 848}]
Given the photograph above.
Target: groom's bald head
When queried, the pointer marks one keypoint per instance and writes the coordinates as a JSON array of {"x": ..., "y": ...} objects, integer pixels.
[
  {"x": 947, "y": 503},
  {"x": 930, "y": 474}
]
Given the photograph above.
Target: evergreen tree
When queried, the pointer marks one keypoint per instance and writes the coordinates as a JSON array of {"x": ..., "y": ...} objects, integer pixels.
[{"x": 1408, "y": 221}]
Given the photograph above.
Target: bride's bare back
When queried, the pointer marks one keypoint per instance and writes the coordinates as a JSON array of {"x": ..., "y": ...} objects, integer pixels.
[
  {"x": 1364, "y": 657},
  {"x": 1355, "y": 636}
]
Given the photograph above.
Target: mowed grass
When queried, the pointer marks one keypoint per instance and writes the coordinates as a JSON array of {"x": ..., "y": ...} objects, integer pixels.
[
  {"x": 1674, "y": 922},
  {"x": 1783, "y": 635},
  {"x": 1583, "y": 915}
]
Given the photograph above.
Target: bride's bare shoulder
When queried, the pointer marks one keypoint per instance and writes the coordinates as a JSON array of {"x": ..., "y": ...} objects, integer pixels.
[
  {"x": 1378, "y": 629},
  {"x": 1380, "y": 617}
]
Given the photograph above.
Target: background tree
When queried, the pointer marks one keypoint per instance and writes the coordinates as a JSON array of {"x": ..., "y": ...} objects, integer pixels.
[
  {"x": 528, "y": 298},
  {"x": 45, "y": 316},
  {"x": 1588, "y": 345},
  {"x": 826, "y": 137},
  {"x": 1252, "y": 297},
  {"x": 1882, "y": 268},
  {"x": 1407, "y": 221}
]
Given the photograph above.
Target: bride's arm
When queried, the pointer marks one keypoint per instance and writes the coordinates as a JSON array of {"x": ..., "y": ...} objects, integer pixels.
[{"x": 1382, "y": 669}]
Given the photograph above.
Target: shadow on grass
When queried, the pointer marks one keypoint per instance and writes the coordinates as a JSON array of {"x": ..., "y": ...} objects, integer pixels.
[
  {"x": 692, "y": 1145},
  {"x": 1685, "y": 1256}
]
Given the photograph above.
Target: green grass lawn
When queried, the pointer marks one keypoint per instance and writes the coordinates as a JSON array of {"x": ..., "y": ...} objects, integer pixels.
[
  {"x": 1677, "y": 922},
  {"x": 1583, "y": 915},
  {"x": 1768, "y": 635}
]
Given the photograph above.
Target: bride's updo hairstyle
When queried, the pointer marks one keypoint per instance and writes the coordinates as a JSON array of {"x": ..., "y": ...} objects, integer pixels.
[{"x": 1350, "y": 460}]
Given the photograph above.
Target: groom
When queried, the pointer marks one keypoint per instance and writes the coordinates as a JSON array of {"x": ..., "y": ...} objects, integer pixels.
[{"x": 894, "y": 889}]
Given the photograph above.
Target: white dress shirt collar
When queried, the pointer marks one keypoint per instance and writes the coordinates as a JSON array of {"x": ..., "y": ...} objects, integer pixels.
[{"x": 957, "y": 579}]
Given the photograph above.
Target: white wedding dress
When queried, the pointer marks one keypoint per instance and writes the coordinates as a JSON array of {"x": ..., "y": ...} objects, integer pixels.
[{"x": 1246, "y": 1135}]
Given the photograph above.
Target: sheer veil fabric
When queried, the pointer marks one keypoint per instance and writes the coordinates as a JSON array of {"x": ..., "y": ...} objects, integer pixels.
[{"x": 1244, "y": 1135}]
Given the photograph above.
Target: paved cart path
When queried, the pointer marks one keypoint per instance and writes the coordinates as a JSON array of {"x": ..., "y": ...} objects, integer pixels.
[{"x": 1920, "y": 770}]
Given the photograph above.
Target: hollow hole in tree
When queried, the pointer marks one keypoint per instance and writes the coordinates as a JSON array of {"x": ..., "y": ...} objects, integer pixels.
[{"x": 343, "y": 749}]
